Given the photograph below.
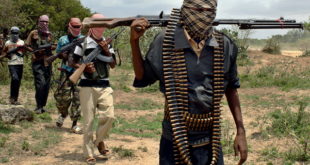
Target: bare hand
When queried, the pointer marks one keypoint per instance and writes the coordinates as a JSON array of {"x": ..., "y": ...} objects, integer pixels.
[
  {"x": 63, "y": 55},
  {"x": 54, "y": 47},
  {"x": 141, "y": 22},
  {"x": 90, "y": 68},
  {"x": 104, "y": 46},
  {"x": 240, "y": 145}
]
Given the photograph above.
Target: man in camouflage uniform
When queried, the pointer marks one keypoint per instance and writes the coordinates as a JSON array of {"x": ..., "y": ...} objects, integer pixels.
[
  {"x": 4, "y": 37},
  {"x": 67, "y": 93}
]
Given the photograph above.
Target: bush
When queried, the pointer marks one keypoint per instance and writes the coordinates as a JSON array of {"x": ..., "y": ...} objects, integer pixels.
[{"x": 272, "y": 46}]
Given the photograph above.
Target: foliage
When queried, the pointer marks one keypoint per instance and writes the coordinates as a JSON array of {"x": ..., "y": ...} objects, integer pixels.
[
  {"x": 26, "y": 13},
  {"x": 272, "y": 46},
  {"x": 268, "y": 76}
]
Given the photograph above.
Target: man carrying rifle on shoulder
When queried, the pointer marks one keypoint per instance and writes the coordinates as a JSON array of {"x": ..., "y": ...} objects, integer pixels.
[
  {"x": 67, "y": 93},
  {"x": 15, "y": 63},
  {"x": 41, "y": 71},
  {"x": 196, "y": 65},
  {"x": 96, "y": 92}
]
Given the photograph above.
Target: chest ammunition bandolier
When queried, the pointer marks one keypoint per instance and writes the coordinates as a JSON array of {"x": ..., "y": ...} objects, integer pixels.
[
  {"x": 102, "y": 68},
  {"x": 176, "y": 110}
]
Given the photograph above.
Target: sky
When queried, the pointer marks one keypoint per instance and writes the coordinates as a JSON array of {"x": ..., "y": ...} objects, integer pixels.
[{"x": 298, "y": 10}]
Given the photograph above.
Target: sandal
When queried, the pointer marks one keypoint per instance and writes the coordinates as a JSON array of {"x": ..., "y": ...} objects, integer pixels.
[
  {"x": 46, "y": 110},
  {"x": 60, "y": 121},
  {"x": 91, "y": 161},
  {"x": 103, "y": 149},
  {"x": 38, "y": 110},
  {"x": 76, "y": 129}
]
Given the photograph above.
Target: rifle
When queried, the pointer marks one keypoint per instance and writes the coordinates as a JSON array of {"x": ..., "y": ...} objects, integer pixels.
[
  {"x": 94, "y": 54},
  {"x": 47, "y": 49},
  {"x": 163, "y": 19},
  {"x": 66, "y": 48},
  {"x": 15, "y": 51}
]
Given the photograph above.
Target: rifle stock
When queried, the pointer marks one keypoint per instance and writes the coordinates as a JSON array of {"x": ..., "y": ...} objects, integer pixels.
[
  {"x": 52, "y": 58},
  {"x": 77, "y": 74}
]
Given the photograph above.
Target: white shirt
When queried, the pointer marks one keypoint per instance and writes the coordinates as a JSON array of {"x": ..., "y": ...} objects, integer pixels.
[
  {"x": 15, "y": 60},
  {"x": 90, "y": 44}
]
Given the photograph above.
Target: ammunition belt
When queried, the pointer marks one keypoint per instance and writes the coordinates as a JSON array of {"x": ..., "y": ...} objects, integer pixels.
[
  {"x": 218, "y": 92},
  {"x": 194, "y": 122},
  {"x": 175, "y": 74}
]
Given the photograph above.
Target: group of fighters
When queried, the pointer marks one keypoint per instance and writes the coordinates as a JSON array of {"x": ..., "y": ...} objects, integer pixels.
[{"x": 195, "y": 64}]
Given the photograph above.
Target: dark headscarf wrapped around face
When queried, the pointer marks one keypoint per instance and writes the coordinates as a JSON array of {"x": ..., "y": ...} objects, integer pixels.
[
  {"x": 199, "y": 22},
  {"x": 14, "y": 34}
]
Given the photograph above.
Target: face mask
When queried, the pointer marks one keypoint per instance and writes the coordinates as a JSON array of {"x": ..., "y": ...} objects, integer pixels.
[
  {"x": 198, "y": 16},
  {"x": 14, "y": 38},
  {"x": 14, "y": 34}
]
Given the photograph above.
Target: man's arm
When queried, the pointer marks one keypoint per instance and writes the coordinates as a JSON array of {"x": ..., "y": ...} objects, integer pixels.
[
  {"x": 135, "y": 48},
  {"x": 240, "y": 140},
  {"x": 105, "y": 47}
]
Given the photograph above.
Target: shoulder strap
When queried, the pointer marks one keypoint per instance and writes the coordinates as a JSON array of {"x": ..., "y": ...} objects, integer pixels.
[{"x": 84, "y": 45}]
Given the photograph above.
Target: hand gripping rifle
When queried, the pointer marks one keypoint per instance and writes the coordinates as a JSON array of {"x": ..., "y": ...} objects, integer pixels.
[
  {"x": 94, "y": 54},
  {"x": 66, "y": 48},
  {"x": 163, "y": 19},
  {"x": 47, "y": 49},
  {"x": 15, "y": 51}
]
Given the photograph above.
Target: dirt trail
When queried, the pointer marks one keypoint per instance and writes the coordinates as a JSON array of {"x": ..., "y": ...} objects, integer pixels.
[{"x": 70, "y": 150}]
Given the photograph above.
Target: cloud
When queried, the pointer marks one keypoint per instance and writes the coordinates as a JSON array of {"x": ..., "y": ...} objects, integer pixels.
[{"x": 231, "y": 9}]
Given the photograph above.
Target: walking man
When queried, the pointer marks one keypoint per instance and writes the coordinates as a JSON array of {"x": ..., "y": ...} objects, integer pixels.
[
  {"x": 15, "y": 64},
  {"x": 196, "y": 65},
  {"x": 67, "y": 93},
  {"x": 41, "y": 71},
  {"x": 96, "y": 92}
]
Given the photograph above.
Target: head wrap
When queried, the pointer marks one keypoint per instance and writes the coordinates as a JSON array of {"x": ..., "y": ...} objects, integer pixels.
[
  {"x": 43, "y": 26},
  {"x": 97, "y": 32},
  {"x": 198, "y": 23},
  {"x": 75, "y": 32},
  {"x": 14, "y": 34}
]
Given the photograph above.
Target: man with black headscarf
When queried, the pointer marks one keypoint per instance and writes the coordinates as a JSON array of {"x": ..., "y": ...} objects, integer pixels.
[
  {"x": 15, "y": 63},
  {"x": 196, "y": 65}
]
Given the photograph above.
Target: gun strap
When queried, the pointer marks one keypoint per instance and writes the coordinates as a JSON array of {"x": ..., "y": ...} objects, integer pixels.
[
  {"x": 176, "y": 90},
  {"x": 119, "y": 56}
]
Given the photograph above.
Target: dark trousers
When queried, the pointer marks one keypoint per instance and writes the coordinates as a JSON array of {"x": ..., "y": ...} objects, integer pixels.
[
  {"x": 42, "y": 78},
  {"x": 199, "y": 155},
  {"x": 16, "y": 72}
]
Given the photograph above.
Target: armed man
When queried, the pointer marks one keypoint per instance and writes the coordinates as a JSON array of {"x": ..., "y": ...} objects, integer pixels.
[
  {"x": 15, "y": 63},
  {"x": 42, "y": 72},
  {"x": 196, "y": 66},
  {"x": 4, "y": 37},
  {"x": 96, "y": 92},
  {"x": 67, "y": 93}
]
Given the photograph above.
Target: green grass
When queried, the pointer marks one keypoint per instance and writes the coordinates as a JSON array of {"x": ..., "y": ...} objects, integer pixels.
[
  {"x": 48, "y": 139},
  {"x": 245, "y": 62},
  {"x": 271, "y": 76},
  {"x": 146, "y": 104},
  {"x": 140, "y": 127},
  {"x": 123, "y": 152},
  {"x": 5, "y": 160},
  {"x": 6, "y": 128},
  {"x": 143, "y": 149},
  {"x": 45, "y": 117},
  {"x": 150, "y": 89}
]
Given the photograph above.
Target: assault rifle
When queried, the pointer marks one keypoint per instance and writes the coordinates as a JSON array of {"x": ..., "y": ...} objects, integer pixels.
[
  {"x": 162, "y": 20},
  {"x": 66, "y": 48},
  {"x": 94, "y": 54},
  {"x": 15, "y": 51},
  {"x": 47, "y": 49}
]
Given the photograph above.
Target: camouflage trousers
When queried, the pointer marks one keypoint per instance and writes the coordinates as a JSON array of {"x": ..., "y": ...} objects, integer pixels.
[{"x": 68, "y": 94}]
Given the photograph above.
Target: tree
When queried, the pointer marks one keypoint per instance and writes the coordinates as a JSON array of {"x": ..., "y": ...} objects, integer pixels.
[
  {"x": 307, "y": 25},
  {"x": 59, "y": 11}
]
